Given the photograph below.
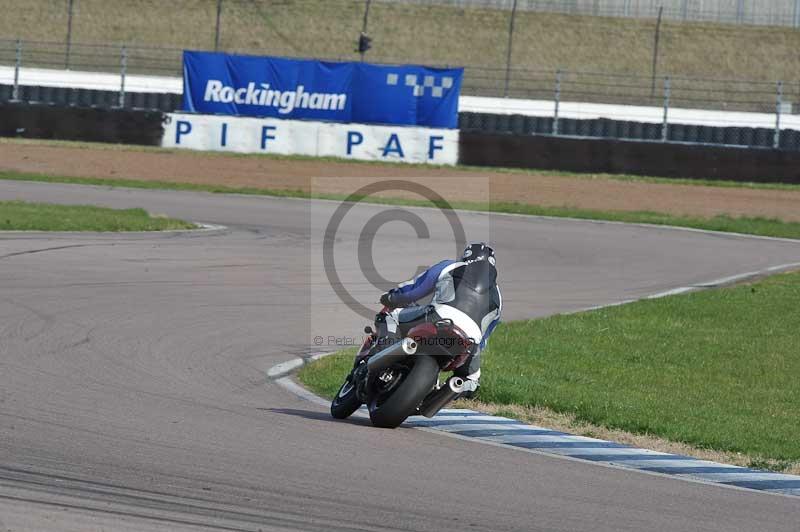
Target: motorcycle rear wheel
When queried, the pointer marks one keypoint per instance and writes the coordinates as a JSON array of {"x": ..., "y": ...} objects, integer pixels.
[{"x": 408, "y": 395}]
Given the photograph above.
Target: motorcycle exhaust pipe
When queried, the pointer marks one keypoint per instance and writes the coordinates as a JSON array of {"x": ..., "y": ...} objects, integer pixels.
[
  {"x": 451, "y": 389},
  {"x": 392, "y": 354}
]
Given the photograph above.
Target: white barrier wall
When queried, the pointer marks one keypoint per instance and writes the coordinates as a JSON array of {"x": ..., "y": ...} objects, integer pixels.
[{"x": 320, "y": 139}]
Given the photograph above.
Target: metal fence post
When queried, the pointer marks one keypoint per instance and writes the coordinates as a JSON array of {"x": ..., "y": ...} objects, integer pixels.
[
  {"x": 684, "y": 9},
  {"x": 123, "y": 72},
  {"x": 557, "y": 102},
  {"x": 776, "y": 142},
  {"x": 665, "y": 121},
  {"x": 508, "y": 48},
  {"x": 17, "y": 65},
  {"x": 216, "y": 29}
]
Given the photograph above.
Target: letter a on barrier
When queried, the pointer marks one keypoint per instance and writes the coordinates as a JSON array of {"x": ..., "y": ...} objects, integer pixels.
[{"x": 393, "y": 146}]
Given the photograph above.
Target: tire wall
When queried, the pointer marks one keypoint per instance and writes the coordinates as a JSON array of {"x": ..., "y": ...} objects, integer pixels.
[
  {"x": 81, "y": 124},
  {"x": 629, "y": 157},
  {"x": 475, "y": 148}
]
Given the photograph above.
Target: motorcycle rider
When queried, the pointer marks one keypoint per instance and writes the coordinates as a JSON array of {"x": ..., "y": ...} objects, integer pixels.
[{"x": 464, "y": 291}]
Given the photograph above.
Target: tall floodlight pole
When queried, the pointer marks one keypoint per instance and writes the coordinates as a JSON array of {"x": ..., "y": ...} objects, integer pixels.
[
  {"x": 68, "y": 51},
  {"x": 216, "y": 29},
  {"x": 656, "y": 40},
  {"x": 363, "y": 40},
  {"x": 508, "y": 48},
  {"x": 796, "y": 17},
  {"x": 740, "y": 11}
]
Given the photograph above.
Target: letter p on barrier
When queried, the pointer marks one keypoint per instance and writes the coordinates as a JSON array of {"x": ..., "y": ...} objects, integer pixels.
[
  {"x": 182, "y": 127},
  {"x": 354, "y": 138}
]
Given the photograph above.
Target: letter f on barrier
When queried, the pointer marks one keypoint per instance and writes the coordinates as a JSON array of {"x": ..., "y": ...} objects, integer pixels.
[
  {"x": 265, "y": 135},
  {"x": 182, "y": 128},
  {"x": 354, "y": 138},
  {"x": 434, "y": 145}
]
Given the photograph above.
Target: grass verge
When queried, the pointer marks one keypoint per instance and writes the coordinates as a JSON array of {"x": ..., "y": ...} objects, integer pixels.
[
  {"x": 24, "y": 216},
  {"x": 711, "y": 373},
  {"x": 748, "y": 225}
]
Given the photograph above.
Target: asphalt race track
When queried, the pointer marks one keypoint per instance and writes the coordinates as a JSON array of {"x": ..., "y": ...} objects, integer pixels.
[{"x": 133, "y": 389}]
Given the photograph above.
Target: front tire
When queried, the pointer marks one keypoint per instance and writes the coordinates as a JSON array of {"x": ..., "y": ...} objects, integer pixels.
[
  {"x": 346, "y": 401},
  {"x": 407, "y": 397}
]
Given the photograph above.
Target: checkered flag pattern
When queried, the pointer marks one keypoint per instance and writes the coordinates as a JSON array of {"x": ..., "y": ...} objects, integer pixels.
[{"x": 436, "y": 86}]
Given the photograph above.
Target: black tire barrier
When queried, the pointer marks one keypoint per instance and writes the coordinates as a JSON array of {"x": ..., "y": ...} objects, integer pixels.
[
  {"x": 125, "y": 126},
  {"x": 629, "y": 157},
  {"x": 525, "y": 149},
  {"x": 629, "y": 130},
  {"x": 68, "y": 96}
]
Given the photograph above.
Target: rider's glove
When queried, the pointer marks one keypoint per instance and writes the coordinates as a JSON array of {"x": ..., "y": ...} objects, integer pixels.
[{"x": 386, "y": 299}]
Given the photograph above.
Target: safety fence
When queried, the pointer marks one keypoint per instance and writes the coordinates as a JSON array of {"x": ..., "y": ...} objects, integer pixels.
[
  {"x": 503, "y": 42},
  {"x": 581, "y": 86},
  {"x": 755, "y": 12}
]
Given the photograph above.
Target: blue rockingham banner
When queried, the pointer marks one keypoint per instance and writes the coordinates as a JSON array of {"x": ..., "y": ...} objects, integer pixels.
[{"x": 216, "y": 83}]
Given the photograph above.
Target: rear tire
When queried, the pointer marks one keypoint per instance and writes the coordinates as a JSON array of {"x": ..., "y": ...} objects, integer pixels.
[
  {"x": 407, "y": 397},
  {"x": 346, "y": 401}
]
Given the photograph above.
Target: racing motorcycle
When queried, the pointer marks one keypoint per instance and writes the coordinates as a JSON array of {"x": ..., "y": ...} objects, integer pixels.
[{"x": 399, "y": 377}]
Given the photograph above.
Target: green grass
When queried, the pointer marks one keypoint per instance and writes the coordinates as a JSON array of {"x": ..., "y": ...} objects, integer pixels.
[
  {"x": 324, "y": 376},
  {"x": 415, "y": 33},
  {"x": 24, "y": 216},
  {"x": 748, "y": 225},
  {"x": 716, "y": 369}
]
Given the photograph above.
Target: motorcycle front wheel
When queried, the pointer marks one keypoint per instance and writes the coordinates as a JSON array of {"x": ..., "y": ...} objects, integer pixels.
[{"x": 346, "y": 402}]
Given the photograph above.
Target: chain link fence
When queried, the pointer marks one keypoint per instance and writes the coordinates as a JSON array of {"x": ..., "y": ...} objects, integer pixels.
[
  {"x": 530, "y": 84},
  {"x": 753, "y": 12},
  {"x": 561, "y": 102}
]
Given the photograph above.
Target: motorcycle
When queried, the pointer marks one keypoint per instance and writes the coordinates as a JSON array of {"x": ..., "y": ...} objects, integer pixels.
[{"x": 399, "y": 377}]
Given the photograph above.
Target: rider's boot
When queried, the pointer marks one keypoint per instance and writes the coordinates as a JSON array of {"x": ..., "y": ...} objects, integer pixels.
[{"x": 471, "y": 385}]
